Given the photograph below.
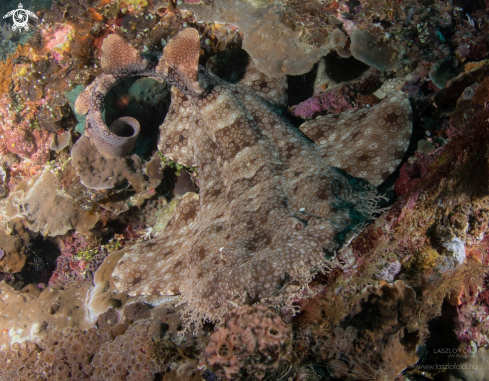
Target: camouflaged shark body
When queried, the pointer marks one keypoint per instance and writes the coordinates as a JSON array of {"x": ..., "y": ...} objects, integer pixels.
[{"x": 272, "y": 202}]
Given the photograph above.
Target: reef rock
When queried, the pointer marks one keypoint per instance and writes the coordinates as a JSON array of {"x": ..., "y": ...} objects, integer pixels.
[
  {"x": 254, "y": 340},
  {"x": 367, "y": 48},
  {"x": 269, "y": 207}
]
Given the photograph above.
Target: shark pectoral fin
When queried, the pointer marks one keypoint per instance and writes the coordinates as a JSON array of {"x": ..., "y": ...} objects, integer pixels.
[
  {"x": 160, "y": 266},
  {"x": 119, "y": 56},
  {"x": 366, "y": 143},
  {"x": 158, "y": 270},
  {"x": 180, "y": 61}
]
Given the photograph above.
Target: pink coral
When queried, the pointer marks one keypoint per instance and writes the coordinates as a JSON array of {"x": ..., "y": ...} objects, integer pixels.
[
  {"x": 55, "y": 39},
  {"x": 33, "y": 146},
  {"x": 336, "y": 100},
  {"x": 18, "y": 141},
  {"x": 308, "y": 108},
  {"x": 412, "y": 171},
  {"x": 254, "y": 340},
  {"x": 17, "y": 137},
  {"x": 77, "y": 263}
]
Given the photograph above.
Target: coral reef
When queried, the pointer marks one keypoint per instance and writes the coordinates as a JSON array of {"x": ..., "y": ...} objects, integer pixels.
[
  {"x": 365, "y": 47},
  {"x": 372, "y": 340},
  {"x": 12, "y": 250},
  {"x": 247, "y": 221},
  {"x": 335, "y": 101},
  {"x": 339, "y": 40},
  {"x": 443, "y": 71},
  {"x": 26, "y": 316},
  {"x": 66, "y": 353},
  {"x": 98, "y": 172}
]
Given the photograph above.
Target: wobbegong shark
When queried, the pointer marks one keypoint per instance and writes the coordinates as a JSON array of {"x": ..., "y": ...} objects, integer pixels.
[{"x": 274, "y": 200}]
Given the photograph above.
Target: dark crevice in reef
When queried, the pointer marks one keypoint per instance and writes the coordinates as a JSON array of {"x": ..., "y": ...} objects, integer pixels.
[
  {"x": 470, "y": 6},
  {"x": 343, "y": 69},
  {"x": 40, "y": 263},
  {"x": 442, "y": 339},
  {"x": 301, "y": 87}
]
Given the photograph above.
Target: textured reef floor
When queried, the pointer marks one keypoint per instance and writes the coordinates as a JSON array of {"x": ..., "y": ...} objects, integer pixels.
[{"x": 245, "y": 190}]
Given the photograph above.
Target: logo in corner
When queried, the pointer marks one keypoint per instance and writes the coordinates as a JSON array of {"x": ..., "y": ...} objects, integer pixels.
[{"x": 20, "y": 17}]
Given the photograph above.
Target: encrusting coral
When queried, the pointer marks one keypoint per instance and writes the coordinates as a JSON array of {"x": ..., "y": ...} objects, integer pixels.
[
  {"x": 374, "y": 343},
  {"x": 269, "y": 206},
  {"x": 98, "y": 172}
]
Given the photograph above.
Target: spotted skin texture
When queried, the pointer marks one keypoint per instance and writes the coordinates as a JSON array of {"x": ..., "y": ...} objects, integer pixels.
[
  {"x": 372, "y": 141},
  {"x": 269, "y": 208}
]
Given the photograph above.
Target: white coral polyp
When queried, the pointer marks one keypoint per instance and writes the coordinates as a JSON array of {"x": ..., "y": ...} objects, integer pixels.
[{"x": 457, "y": 248}]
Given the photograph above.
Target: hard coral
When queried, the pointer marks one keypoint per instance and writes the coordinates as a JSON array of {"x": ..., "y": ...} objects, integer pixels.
[
  {"x": 126, "y": 357},
  {"x": 65, "y": 354},
  {"x": 252, "y": 341},
  {"x": 45, "y": 207},
  {"x": 26, "y": 316},
  {"x": 367, "y": 48},
  {"x": 12, "y": 252}
]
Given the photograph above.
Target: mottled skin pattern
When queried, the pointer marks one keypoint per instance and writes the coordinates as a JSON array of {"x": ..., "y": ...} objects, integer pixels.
[
  {"x": 372, "y": 141},
  {"x": 270, "y": 206}
]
